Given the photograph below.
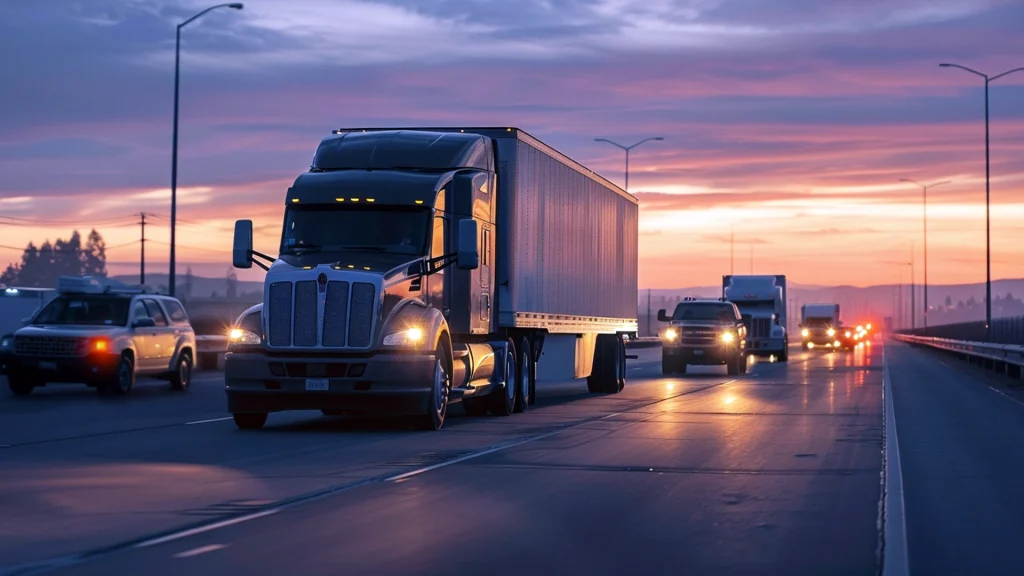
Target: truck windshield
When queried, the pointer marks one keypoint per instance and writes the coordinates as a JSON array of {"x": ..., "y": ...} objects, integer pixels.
[
  {"x": 330, "y": 228},
  {"x": 716, "y": 312},
  {"x": 85, "y": 311},
  {"x": 818, "y": 322}
]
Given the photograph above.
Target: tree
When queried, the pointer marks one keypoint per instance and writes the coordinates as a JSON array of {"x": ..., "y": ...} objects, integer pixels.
[
  {"x": 40, "y": 267},
  {"x": 949, "y": 302}
]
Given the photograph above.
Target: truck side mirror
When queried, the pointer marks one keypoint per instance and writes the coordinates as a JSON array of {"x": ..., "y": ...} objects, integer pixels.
[
  {"x": 241, "y": 252},
  {"x": 468, "y": 255},
  {"x": 662, "y": 316}
]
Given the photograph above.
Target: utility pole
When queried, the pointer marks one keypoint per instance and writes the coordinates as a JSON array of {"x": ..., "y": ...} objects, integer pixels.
[
  {"x": 142, "y": 243},
  {"x": 913, "y": 291}
]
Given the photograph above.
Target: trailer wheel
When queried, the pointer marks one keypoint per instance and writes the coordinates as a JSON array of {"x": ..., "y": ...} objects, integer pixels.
[
  {"x": 609, "y": 361},
  {"x": 525, "y": 376},
  {"x": 622, "y": 364},
  {"x": 503, "y": 401}
]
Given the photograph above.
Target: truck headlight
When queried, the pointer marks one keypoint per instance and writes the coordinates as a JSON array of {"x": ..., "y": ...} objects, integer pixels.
[
  {"x": 831, "y": 332},
  {"x": 805, "y": 332},
  {"x": 671, "y": 334},
  {"x": 728, "y": 337},
  {"x": 407, "y": 337},
  {"x": 239, "y": 336},
  {"x": 847, "y": 333}
]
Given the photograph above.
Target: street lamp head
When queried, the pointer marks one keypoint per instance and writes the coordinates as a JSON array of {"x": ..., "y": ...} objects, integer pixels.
[
  {"x": 236, "y": 5},
  {"x": 659, "y": 138},
  {"x": 945, "y": 65}
]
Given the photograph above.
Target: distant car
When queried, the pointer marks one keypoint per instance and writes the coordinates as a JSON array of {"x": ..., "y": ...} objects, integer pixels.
[
  {"x": 704, "y": 332},
  {"x": 102, "y": 337}
]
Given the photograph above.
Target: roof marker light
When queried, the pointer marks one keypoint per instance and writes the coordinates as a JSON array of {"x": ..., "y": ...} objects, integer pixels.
[
  {"x": 339, "y": 199},
  {"x": 295, "y": 200},
  {"x": 419, "y": 201}
]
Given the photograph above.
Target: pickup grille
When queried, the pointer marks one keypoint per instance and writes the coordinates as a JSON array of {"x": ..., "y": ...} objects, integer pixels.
[
  {"x": 49, "y": 346},
  {"x": 294, "y": 312},
  {"x": 699, "y": 336}
]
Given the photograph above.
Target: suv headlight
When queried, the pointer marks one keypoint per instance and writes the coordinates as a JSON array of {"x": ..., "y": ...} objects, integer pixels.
[
  {"x": 407, "y": 337},
  {"x": 243, "y": 337}
]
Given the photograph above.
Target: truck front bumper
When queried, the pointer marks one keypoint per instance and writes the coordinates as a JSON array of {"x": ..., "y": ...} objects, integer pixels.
[
  {"x": 386, "y": 384},
  {"x": 765, "y": 346},
  {"x": 700, "y": 355},
  {"x": 92, "y": 369}
]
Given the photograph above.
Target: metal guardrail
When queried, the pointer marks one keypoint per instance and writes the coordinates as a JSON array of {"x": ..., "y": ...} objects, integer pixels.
[
  {"x": 644, "y": 342},
  {"x": 1007, "y": 358}
]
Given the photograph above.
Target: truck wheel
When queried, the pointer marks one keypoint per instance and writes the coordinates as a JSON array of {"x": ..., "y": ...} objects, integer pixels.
[
  {"x": 608, "y": 364},
  {"x": 732, "y": 367},
  {"x": 250, "y": 421},
  {"x": 123, "y": 381},
  {"x": 19, "y": 385},
  {"x": 503, "y": 401},
  {"x": 437, "y": 407},
  {"x": 181, "y": 378},
  {"x": 622, "y": 365},
  {"x": 524, "y": 376},
  {"x": 784, "y": 357}
]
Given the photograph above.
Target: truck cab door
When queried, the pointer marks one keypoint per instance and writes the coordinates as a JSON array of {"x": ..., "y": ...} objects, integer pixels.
[{"x": 438, "y": 296}]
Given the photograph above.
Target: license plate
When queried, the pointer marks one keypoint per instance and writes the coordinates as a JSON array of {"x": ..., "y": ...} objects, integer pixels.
[
  {"x": 319, "y": 384},
  {"x": 48, "y": 365},
  {"x": 698, "y": 352}
]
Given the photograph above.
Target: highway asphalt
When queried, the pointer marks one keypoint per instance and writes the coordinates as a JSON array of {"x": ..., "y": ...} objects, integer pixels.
[
  {"x": 775, "y": 472},
  {"x": 961, "y": 441}
]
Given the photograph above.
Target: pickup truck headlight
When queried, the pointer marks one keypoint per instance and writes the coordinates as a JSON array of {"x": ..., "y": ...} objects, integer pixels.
[
  {"x": 728, "y": 336},
  {"x": 407, "y": 337},
  {"x": 805, "y": 332},
  {"x": 831, "y": 332},
  {"x": 243, "y": 337}
]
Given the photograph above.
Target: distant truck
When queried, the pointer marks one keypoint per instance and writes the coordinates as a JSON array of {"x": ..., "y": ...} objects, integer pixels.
[
  {"x": 762, "y": 303},
  {"x": 423, "y": 265},
  {"x": 820, "y": 325}
]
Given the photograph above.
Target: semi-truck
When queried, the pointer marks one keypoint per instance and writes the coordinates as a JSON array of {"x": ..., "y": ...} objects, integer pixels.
[
  {"x": 761, "y": 300},
  {"x": 820, "y": 325},
  {"x": 419, "y": 267}
]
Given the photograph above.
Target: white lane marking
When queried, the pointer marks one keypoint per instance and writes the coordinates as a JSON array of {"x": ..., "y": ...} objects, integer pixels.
[
  {"x": 202, "y": 529},
  {"x": 210, "y": 420},
  {"x": 425, "y": 469},
  {"x": 200, "y": 550},
  {"x": 895, "y": 560}
]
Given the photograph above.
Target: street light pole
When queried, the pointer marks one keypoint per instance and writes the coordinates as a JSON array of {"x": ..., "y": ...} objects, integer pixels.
[
  {"x": 627, "y": 149},
  {"x": 171, "y": 277},
  {"x": 924, "y": 194},
  {"x": 988, "y": 226}
]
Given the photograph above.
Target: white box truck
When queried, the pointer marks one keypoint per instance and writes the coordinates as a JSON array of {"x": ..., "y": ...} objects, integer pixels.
[{"x": 762, "y": 303}]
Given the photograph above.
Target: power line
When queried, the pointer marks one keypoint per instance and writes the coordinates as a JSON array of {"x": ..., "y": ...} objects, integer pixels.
[
  {"x": 214, "y": 250},
  {"x": 114, "y": 221}
]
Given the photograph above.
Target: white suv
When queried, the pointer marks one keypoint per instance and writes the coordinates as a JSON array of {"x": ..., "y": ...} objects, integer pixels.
[{"x": 103, "y": 337}]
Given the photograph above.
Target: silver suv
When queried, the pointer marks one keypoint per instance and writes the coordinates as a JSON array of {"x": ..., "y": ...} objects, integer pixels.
[{"x": 102, "y": 337}]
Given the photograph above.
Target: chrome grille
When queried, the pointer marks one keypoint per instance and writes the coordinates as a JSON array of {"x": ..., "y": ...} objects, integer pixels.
[
  {"x": 335, "y": 314},
  {"x": 49, "y": 346},
  {"x": 305, "y": 321},
  {"x": 698, "y": 336},
  {"x": 360, "y": 320},
  {"x": 279, "y": 317},
  {"x": 760, "y": 327},
  {"x": 294, "y": 314}
]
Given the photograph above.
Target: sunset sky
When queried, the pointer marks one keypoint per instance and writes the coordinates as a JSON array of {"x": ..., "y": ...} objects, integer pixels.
[{"x": 787, "y": 121}]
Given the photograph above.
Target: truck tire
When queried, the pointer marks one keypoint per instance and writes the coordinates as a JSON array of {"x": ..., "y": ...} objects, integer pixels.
[
  {"x": 622, "y": 365},
  {"x": 249, "y": 421},
  {"x": 609, "y": 360},
  {"x": 19, "y": 385},
  {"x": 784, "y": 357},
  {"x": 441, "y": 387},
  {"x": 181, "y": 378},
  {"x": 743, "y": 363},
  {"x": 525, "y": 376},
  {"x": 123, "y": 380},
  {"x": 503, "y": 401},
  {"x": 732, "y": 367}
]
